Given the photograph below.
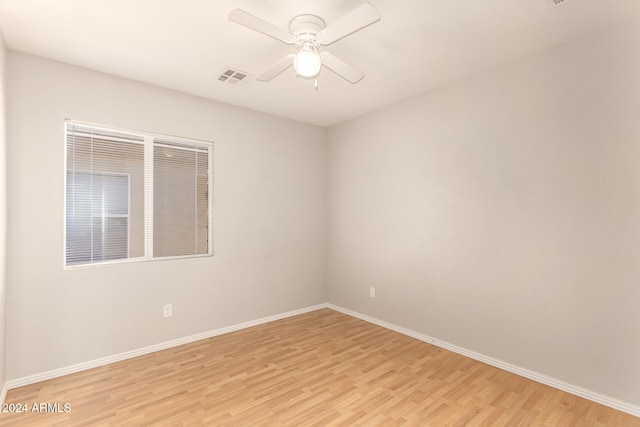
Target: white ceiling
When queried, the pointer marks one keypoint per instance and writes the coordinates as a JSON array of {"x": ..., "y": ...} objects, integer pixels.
[{"x": 417, "y": 46}]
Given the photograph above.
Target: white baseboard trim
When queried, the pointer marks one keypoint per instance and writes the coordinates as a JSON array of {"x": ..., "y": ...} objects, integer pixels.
[
  {"x": 526, "y": 373},
  {"x": 31, "y": 379},
  {"x": 3, "y": 392}
]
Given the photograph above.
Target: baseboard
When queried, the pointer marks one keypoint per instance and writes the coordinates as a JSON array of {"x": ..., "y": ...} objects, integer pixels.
[
  {"x": 31, "y": 379},
  {"x": 526, "y": 373},
  {"x": 3, "y": 392}
]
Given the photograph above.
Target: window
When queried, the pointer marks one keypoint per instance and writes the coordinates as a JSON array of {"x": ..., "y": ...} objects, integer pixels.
[{"x": 133, "y": 196}]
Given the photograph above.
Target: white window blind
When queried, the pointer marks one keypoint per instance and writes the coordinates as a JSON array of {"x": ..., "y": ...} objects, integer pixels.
[
  {"x": 131, "y": 196},
  {"x": 180, "y": 198},
  {"x": 104, "y": 195}
]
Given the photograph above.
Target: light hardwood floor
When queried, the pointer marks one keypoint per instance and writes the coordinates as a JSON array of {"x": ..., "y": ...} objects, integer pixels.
[{"x": 321, "y": 368}]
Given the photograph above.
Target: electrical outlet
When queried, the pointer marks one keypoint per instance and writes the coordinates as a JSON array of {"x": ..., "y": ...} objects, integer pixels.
[
  {"x": 372, "y": 292},
  {"x": 168, "y": 310}
]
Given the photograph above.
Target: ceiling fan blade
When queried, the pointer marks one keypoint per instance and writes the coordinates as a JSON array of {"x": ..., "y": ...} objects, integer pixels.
[
  {"x": 276, "y": 69},
  {"x": 341, "y": 68},
  {"x": 355, "y": 20},
  {"x": 248, "y": 20}
]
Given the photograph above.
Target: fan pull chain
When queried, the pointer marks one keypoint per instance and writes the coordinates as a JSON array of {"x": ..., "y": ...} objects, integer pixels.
[{"x": 316, "y": 85}]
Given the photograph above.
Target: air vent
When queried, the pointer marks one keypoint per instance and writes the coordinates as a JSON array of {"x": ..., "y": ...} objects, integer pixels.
[
  {"x": 557, "y": 2},
  {"x": 234, "y": 77}
]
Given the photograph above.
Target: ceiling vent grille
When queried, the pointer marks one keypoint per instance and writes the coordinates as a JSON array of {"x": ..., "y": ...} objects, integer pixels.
[
  {"x": 557, "y": 2},
  {"x": 234, "y": 77}
]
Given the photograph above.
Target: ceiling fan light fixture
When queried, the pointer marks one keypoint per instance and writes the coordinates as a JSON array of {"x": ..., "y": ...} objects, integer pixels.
[
  {"x": 307, "y": 62},
  {"x": 308, "y": 33}
]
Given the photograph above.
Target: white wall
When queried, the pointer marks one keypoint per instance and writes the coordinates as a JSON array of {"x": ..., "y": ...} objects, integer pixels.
[
  {"x": 502, "y": 214},
  {"x": 3, "y": 213},
  {"x": 268, "y": 219}
]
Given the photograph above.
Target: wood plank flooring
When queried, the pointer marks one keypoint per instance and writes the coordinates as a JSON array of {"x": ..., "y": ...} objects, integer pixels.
[{"x": 318, "y": 369}]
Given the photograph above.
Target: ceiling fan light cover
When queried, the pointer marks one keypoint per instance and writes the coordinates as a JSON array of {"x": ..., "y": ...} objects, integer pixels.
[{"x": 307, "y": 63}]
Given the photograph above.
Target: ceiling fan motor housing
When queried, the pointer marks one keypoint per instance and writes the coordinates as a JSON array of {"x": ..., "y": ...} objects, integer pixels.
[{"x": 306, "y": 28}]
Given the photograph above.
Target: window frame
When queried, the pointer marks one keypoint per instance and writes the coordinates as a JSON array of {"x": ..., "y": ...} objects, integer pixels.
[{"x": 149, "y": 139}]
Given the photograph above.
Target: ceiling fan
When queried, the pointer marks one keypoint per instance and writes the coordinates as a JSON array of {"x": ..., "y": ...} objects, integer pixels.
[{"x": 308, "y": 33}]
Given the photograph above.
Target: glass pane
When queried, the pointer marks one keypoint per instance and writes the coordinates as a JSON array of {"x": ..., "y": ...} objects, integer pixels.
[
  {"x": 104, "y": 195},
  {"x": 180, "y": 200},
  {"x": 97, "y": 217},
  {"x": 110, "y": 238}
]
